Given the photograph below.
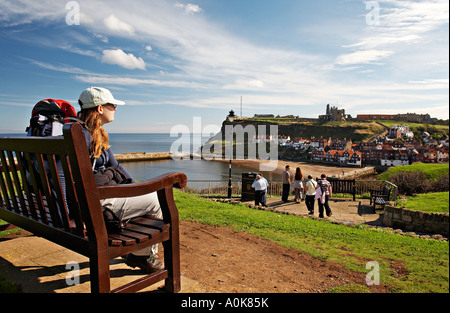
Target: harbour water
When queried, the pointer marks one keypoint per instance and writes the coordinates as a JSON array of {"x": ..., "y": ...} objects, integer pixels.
[{"x": 200, "y": 173}]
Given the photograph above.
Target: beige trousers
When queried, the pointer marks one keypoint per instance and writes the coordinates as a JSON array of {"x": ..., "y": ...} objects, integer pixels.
[{"x": 128, "y": 208}]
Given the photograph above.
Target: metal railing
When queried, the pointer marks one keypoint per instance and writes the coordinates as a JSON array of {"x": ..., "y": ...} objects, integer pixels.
[{"x": 219, "y": 188}]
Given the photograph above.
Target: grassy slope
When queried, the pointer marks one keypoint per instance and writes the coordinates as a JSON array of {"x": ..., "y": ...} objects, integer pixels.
[
  {"x": 429, "y": 202},
  {"x": 417, "y": 127},
  {"x": 357, "y": 131},
  {"x": 433, "y": 171},
  {"x": 426, "y": 261}
]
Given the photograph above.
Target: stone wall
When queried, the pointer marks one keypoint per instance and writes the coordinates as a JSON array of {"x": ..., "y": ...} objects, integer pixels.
[
  {"x": 357, "y": 173},
  {"x": 416, "y": 221}
]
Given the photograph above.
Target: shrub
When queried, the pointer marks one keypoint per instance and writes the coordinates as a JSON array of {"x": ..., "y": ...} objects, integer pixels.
[
  {"x": 410, "y": 183},
  {"x": 442, "y": 184}
]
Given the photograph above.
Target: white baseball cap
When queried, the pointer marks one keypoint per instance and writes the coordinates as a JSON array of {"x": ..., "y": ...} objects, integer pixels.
[{"x": 96, "y": 96}]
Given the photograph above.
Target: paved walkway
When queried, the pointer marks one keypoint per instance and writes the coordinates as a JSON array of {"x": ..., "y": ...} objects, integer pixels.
[
  {"x": 41, "y": 266},
  {"x": 344, "y": 210}
]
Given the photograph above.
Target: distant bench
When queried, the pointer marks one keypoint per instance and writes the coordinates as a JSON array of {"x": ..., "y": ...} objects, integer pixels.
[
  {"x": 342, "y": 186},
  {"x": 77, "y": 223}
]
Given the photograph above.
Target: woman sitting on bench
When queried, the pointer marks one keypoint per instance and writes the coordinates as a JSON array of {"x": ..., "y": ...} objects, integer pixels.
[{"x": 98, "y": 108}]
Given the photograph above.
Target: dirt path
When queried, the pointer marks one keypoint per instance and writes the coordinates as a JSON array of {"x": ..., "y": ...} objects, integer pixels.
[{"x": 226, "y": 262}]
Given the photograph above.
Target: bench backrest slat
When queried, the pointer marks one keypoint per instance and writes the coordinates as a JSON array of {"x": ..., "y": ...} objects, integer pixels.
[
  {"x": 27, "y": 193},
  {"x": 35, "y": 198},
  {"x": 16, "y": 181},
  {"x": 46, "y": 188},
  {"x": 71, "y": 196},
  {"x": 50, "y": 181},
  {"x": 5, "y": 184}
]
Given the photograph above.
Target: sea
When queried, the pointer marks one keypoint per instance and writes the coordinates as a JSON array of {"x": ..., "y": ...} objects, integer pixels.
[{"x": 200, "y": 173}]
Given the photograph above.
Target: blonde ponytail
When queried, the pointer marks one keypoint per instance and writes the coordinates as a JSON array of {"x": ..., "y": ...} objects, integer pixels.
[{"x": 99, "y": 136}]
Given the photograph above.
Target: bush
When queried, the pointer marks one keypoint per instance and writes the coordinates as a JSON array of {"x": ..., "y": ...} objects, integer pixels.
[
  {"x": 410, "y": 183},
  {"x": 442, "y": 184}
]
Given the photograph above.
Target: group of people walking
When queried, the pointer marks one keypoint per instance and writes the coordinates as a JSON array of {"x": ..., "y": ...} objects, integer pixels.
[{"x": 310, "y": 192}]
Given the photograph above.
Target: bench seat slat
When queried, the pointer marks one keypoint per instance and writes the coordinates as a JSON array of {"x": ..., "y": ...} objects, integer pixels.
[
  {"x": 138, "y": 230},
  {"x": 118, "y": 240},
  {"x": 148, "y": 221},
  {"x": 126, "y": 238}
]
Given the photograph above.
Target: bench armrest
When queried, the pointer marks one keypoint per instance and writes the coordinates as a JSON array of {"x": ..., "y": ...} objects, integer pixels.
[{"x": 178, "y": 180}]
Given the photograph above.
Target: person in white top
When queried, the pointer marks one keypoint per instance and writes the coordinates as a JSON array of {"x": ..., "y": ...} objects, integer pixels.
[
  {"x": 310, "y": 192},
  {"x": 263, "y": 198},
  {"x": 260, "y": 186}
]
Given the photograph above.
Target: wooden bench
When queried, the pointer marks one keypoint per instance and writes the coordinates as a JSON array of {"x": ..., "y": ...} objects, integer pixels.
[
  {"x": 380, "y": 196},
  {"x": 77, "y": 223},
  {"x": 342, "y": 186}
]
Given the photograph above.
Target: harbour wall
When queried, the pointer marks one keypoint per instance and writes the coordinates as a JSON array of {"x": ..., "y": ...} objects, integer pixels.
[{"x": 142, "y": 156}]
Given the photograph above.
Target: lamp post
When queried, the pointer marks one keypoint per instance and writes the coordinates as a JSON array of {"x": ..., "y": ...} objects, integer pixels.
[{"x": 231, "y": 119}]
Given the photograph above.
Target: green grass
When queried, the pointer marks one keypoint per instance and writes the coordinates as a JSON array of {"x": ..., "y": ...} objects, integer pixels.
[
  {"x": 7, "y": 232},
  {"x": 416, "y": 126},
  {"x": 427, "y": 202},
  {"x": 433, "y": 171},
  {"x": 426, "y": 261}
]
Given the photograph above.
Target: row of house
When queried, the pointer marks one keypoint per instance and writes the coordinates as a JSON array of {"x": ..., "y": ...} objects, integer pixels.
[
  {"x": 388, "y": 155},
  {"x": 388, "y": 151},
  {"x": 384, "y": 154},
  {"x": 280, "y": 140},
  {"x": 399, "y": 131},
  {"x": 323, "y": 143},
  {"x": 431, "y": 155},
  {"x": 408, "y": 117},
  {"x": 338, "y": 157}
]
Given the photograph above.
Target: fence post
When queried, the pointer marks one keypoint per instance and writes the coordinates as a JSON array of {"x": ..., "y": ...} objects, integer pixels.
[{"x": 354, "y": 189}]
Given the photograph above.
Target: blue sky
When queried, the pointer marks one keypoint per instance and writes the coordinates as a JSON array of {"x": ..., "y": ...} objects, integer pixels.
[{"x": 172, "y": 61}]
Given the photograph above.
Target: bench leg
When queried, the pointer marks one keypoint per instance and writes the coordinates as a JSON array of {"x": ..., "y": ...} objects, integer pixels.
[
  {"x": 172, "y": 262},
  {"x": 99, "y": 273}
]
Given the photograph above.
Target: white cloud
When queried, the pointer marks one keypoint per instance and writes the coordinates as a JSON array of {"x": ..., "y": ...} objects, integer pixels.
[
  {"x": 189, "y": 8},
  {"x": 102, "y": 38},
  {"x": 114, "y": 24},
  {"x": 363, "y": 57},
  {"x": 14, "y": 13},
  {"x": 99, "y": 79},
  {"x": 123, "y": 59},
  {"x": 402, "y": 23}
]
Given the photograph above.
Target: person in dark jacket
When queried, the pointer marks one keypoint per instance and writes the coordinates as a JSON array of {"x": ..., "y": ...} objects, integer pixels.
[
  {"x": 98, "y": 107},
  {"x": 325, "y": 192}
]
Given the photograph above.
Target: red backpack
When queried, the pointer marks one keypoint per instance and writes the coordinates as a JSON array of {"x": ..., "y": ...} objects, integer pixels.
[{"x": 49, "y": 116}]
